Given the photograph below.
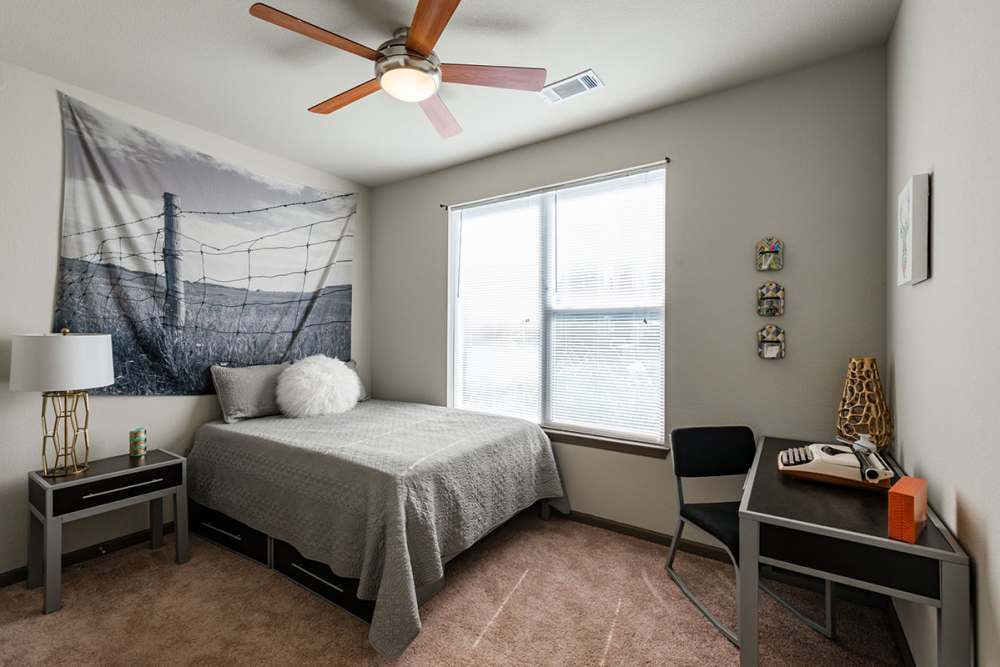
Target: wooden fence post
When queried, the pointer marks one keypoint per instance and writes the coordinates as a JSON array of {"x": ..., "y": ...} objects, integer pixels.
[{"x": 173, "y": 303}]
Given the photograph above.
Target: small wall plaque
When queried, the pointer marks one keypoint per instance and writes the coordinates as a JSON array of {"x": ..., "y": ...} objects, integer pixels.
[
  {"x": 771, "y": 342},
  {"x": 770, "y": 254},
  {"x": 771, "y": 299}
]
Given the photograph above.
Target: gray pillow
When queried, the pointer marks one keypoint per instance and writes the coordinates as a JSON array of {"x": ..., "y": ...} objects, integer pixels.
[
  {"x": 245, "y": 393},
  {"x": 353, "y": 365}
]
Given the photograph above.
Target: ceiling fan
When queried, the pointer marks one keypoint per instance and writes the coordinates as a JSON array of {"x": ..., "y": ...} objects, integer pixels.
[{"x": 406, "y": 66}]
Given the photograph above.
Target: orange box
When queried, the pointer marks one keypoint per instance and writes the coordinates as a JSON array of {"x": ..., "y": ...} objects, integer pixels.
[{"x": 907, "y": 509}]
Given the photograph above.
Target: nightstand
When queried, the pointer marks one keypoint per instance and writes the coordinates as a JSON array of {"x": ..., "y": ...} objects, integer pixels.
[{"x": 108, "y": 484}]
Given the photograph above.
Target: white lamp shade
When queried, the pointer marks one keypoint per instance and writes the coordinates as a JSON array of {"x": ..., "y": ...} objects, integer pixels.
[{"x": 56, "y": 362}]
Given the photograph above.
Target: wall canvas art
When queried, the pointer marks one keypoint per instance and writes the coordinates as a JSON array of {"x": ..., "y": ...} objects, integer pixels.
[
  {"x": 912, "y": 240},
  {"x": 188, "y": 261}
]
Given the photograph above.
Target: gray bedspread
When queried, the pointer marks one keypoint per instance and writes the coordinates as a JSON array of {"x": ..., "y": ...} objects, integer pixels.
[{"x": 385, "y": 493}]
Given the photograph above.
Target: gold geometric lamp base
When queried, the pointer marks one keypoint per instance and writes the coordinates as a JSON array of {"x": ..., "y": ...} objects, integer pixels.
[
  {"x": 50, "y": 363},
  {"x": 67, "y": 430}
]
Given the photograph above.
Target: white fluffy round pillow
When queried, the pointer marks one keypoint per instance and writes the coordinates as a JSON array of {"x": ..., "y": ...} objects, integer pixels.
[{"x": 317, "y": 385}]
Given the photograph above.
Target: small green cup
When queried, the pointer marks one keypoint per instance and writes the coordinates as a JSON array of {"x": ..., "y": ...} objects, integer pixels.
[{"x": 137, "y": 442}]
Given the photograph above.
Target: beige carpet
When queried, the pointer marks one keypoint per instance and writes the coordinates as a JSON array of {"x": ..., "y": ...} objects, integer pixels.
[{"x": 532, "y": 593}]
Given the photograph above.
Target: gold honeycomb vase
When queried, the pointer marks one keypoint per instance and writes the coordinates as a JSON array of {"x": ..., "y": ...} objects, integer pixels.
[{"x": 863, "y": 408}]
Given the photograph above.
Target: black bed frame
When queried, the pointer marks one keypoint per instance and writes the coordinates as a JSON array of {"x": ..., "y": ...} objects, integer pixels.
[
  {"x": 286, "y": 559},
  {"x": 281, "y": 556}
]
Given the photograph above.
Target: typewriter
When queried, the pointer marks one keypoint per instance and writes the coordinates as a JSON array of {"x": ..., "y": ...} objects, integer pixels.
[{"x": 856, "y": 464}]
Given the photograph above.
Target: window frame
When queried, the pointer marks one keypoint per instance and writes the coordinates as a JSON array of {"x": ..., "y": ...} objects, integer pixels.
[{"x": 592, "y": 437}]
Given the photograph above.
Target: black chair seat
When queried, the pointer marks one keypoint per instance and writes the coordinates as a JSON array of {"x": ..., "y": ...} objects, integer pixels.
[{"x": 720, "y": 520}]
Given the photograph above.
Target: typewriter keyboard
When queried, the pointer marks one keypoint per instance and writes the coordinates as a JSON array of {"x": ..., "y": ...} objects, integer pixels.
[{"x": 795, "y": 456}]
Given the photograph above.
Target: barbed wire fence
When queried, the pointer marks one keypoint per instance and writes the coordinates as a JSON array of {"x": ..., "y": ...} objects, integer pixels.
[{"x": 215, "y": 303}]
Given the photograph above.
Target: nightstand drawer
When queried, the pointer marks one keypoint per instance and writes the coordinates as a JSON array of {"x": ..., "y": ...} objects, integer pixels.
[
  {"x": 120, "y": 487},
  {"x": 319, "y": 578},
  {"x": 228, "y": 532}
]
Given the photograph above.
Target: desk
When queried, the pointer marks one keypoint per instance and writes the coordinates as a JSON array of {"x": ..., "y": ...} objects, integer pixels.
[{"x": 840, "y": 534}]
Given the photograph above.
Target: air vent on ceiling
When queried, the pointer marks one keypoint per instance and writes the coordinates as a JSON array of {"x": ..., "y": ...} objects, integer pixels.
[{"x": 584, "y": 82}]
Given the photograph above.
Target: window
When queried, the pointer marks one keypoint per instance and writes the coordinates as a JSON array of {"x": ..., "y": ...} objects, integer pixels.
[{"x": 558, "y": 306}]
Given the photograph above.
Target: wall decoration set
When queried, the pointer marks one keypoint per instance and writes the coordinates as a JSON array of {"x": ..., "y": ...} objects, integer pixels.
[{"x": 770, "y": 298}]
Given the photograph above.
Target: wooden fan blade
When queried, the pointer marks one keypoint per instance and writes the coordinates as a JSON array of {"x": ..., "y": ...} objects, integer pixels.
[
  {"x": 518, "y": 78},
  {"x": 289, "y": 22},
  {"x": 346, "y": 97},
  {"x": 428, "y": 23},
  {"x": 440, "y": 116}
]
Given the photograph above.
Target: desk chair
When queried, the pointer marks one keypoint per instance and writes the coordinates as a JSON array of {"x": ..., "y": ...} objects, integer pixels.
[{"x": 715, "y": 451}]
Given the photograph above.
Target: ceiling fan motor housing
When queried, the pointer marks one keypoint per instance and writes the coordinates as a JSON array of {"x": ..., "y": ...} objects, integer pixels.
[{"x": 396, "y": 56}]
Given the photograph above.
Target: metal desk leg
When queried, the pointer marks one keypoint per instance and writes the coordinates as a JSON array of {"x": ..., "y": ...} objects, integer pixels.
[
  {"x": 954, "y": 616},
  {"x": 155, "y": 523},
  {"x": 181, "y": 524},
  {"x": 53, "y": 564},
  {"x": 831, "y": 611},
  {"x": 36, "y": 546},
  {"x": 747, "y": 592}
]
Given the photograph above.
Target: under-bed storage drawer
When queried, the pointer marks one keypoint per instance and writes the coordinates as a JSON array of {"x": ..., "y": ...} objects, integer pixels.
[
  {"x": 228, "y": 532},
  {"x": 320, "y": 579}
]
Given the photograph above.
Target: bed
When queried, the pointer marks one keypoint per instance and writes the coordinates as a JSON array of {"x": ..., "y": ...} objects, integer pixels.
[{"x": 384, "y": 494}]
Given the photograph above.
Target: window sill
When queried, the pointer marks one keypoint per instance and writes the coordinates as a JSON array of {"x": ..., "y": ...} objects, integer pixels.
[{"x": 610, "y": 444}]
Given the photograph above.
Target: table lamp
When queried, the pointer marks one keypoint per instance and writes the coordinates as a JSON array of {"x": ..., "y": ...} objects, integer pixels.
[{"x": 62, "y": 366}]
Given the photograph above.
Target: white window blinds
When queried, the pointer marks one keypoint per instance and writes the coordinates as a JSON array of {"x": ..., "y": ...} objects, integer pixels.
[
  {"x": 498, "y": 334},
  {"x": 558, "y": 301}
]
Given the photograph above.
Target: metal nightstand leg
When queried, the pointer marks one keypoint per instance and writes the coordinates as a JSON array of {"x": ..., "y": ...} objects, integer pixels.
[
  {"x": 53, "y": 564},
  {"x": 181, "y": 524},
  {"x": 155, "y": 523},
  {"x": 36, "y": 550}
]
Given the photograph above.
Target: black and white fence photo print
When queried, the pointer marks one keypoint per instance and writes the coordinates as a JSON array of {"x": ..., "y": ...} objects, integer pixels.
[{"x": 190, "y": 262}]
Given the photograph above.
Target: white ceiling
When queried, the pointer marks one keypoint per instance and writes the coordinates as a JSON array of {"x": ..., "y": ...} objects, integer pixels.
[{"x": 210, "y": 64}]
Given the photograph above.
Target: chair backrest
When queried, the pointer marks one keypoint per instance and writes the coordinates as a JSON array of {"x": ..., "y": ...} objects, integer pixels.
[{"x": 712, "y": 451}]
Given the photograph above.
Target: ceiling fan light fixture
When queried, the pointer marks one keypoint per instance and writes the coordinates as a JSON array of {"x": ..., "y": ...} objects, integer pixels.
[
  {"x": 409, "y": 84},
  {"x": 407, "y": 75},
  {"x": 406, "y": 66}
]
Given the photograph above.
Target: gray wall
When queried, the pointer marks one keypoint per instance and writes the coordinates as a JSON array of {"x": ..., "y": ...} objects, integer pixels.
[
  {"x": 800, "y": 156},
  {"x": 30, "y": 203},
  {"x": 944, "y": 351}
]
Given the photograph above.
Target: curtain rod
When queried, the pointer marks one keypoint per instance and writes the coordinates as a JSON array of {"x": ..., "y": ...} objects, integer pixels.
[{"x": 577, "y": 181}]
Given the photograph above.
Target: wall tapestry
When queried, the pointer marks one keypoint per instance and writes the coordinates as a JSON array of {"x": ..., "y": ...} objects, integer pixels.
[{"x": 187, "y": 261}]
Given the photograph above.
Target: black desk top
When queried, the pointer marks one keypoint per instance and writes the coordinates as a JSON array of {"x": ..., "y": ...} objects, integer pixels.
[
  {"x": 113, "y": 465},
  {"x": 825, "y": 506}
]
